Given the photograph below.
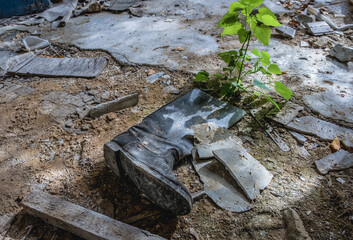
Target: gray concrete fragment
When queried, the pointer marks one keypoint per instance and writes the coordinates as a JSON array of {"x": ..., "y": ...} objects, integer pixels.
[
  {"x": 250, "y": 175},
  {"x": 276, "y": 9},
  {"x": 319, "y": 28},
  {"x": 288, "y": 113},
  {"x": 154, "y": 77},
  {"x": 32, "y": 43},
  {"x": 205, "y": 151},
  {"x": 303, "y": 18},
  {"x": 323, "y": 42},
  {"x": 300, "y": 138},
  {"x": 322, "y": 129},
  {"x": 339, "y": 160},
  {"x": 295, "y": 226},
  {"x": 342, "y": 53},
  {"x": 286, "y": 31},
  {"x": 304, "y": 44},
  {"x": 121, "y": 5},
  {"x": 117, "y": 104},
  {"x": 331, "y": 104},
  {"x": 171, "y": 90}
]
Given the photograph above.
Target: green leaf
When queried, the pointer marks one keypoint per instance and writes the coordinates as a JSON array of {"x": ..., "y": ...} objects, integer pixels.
[
  {"x": 202, "y": 77},
  {"x": 228, "y": 20},
  {"x": 242, "y": 34},
  {"x": 270, "y": 20},
  {"x": 260, "y": 84},
  {"x": 253, "y": 3},
  {"x": 225, "y": 89},
  {"x": 283, "y": 90},
  {"x": 265, "y": 11},
  {"x": 225, "y": 57},
  {"x": 256, "y": 52},
  {"x": 236, "y": 6},
  {"x": 233, "y": 29},
  {"x": 252, "y": 21},
  {"x": 263, "y": 34},
  {"x": 239, "y": 86},
  {"x": 265, "y": 58},
  {"x": 273, "y": 68},
  {"x": 271, "y": 100}
]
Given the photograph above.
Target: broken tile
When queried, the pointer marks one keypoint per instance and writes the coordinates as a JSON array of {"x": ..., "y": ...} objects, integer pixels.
[
  {"x": 322, "y": 129},
  {"x": 286, "y": 31},
  {"x": 288, "y": 113},
  {"x": 319, "y": 28},
  {"x": 300, "y": 138},
  {"x": 33, "y": 43},
  {"x": 250, "y": 175},
  {"x": 339, "y": 160}
]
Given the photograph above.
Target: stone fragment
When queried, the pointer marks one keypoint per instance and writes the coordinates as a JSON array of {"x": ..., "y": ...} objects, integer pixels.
[
  {"x": 322, "y": 129},
  {"x": 117, "y": 104},
  {"x": 342, "y": 53},
  {"x": 276, "y": 9},
  {"x": 172, "y": 90},
  {"x": 154, "y": 77},
  {"x": 300, "y": 138},
  {"x": 32, "y": 43},
  {"x": 137, "y": 12},
  {"x": 295, "y": 226},
  {"x": 339, "y": 160},
  {"x": 319, "y": 28},
  {"x": 303, "y": 18},
  {"x": 340, "y": 180},
  {"x": 286, "y": 31},
  {"x": 250, "y": 175},
  {"x": 335, "y": 145},
  {"x": 121, "y": 5},
  {"x": 288, "y": 113},
  {"x": 323, "y": 42},
  {"x": 304, "y": 44}
]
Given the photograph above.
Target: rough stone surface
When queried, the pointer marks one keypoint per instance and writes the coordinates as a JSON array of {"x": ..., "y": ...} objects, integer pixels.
[
  {"x": 339, "y": 160},
  {"x": 322, "y": 129},
  {"x": 288, "y": 113},
  {"x": 342, "y": 53},
  {"x": 300, "y": 138},
  {"x": 295, "y": 226},
  {"x": 286, "y": 31},
  {"x": 319, "y": 28}
]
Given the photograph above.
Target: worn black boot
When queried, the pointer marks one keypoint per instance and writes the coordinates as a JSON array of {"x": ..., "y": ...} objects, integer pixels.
[{"x": 148, "y": 151}]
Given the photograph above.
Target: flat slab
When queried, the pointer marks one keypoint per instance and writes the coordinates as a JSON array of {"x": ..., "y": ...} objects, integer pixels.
[
  {"x": 80, "y": 221},
  {"x": 250, "y": 175},
  {"x": 62, "y": 67},
  {"x": 339, "y": 160},
  {"x": 288, "y": 113},
  {"x": 322, "y": 129},
  {"x": 319, "y": 28}
]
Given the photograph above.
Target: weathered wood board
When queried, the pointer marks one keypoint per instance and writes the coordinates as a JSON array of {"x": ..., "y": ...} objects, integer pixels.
[
  {"x": 61, "y": 67},
  {"x": 81, "y": 221}
]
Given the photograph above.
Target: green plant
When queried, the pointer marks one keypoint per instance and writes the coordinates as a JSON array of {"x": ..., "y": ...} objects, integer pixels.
[{"x": 242, "y": 19}]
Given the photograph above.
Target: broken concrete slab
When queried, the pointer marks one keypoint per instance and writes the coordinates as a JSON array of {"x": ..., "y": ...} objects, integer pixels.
[
  {"x": 319, "y": 28},
  {"x": 332, "y": 104},
  {"x": 339, "y": 160},
  {"x": 322, "y": 129},
  {"x": 32, "y": 43},
  {"x": 80, "y": 221},
  {"x": 61, "y": 67},
  {"x": 295, "y": 226},
  {"x": 121, "y": 5},
  {"x": 342, "y": 53},
  {"x": 115, "y": 105},
  {"x": 300, "y": 138},
  {"x": 286, "y": 31},
  {"x": 250, "y": 175},
  {"x": 276, "y": 9},
  {"x": 288, "y": 113}
]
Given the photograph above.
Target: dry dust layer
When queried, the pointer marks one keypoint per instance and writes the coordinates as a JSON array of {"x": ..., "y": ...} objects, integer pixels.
[{"x": 35, "y": 151}]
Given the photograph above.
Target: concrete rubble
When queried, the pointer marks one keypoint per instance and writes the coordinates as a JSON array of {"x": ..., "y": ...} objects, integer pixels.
[
  {"x": 339, "y": 160},
  {"x": 295, "y": 226}
]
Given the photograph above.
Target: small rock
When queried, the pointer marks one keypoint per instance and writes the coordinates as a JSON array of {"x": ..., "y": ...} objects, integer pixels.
[
  {"x": 295, "y": 226},
  {"x": 105, "y": 95},
  {"x": 322, "y": 42},
  {"x": 153, "y": 78},
  {"x": 166, "y": 76},
  {"x": 85, "y": 127},
  {"x": 286, "y": 31},
  {"x": 303, "y": 18},
  {"x": 172, "y": 90},
  {"x": 69, "y": 123},
  {"x": 300, "y": 138},
  {"x": 179, "y": 49},
  {"x": 32, "y": 43},
  {"x": 335, "y": 145},
  {"x": 308, "y": 213},
  {"x": 340, "y": 180},
  {"x": 304, "y": 44},
  {"x": 137, "y": 12},
  {"x": 342, "y": 53}
]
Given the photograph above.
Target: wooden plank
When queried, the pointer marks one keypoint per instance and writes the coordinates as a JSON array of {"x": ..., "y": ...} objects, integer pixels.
[
  {"x": 81, "y": 221},
  {"x": 68, "y": 14},
  {"x": 62, "y": 67}
]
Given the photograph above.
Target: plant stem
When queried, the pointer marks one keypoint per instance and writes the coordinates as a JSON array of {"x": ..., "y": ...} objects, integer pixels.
[{"x": 247, "y": 41}]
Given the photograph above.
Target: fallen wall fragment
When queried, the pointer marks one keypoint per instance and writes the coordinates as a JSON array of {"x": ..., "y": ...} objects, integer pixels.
[
  {"x": 148, "y": 151},
  {"x": 83, "y": 222}
]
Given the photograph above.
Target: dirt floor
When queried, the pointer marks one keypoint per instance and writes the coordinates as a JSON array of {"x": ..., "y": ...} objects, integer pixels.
[{"x": 64, "y": 157}]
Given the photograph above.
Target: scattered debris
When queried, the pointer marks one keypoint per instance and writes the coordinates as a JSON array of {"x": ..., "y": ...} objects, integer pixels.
[
  {"x": 61, "y": 67},
  {"x": 147, "y": 152},
  {"x": 319, "y": 28},
  {"x": 323, "y": 42},
  {"x": 68, "y": 14},
  {"x": 342, "y": 53},
  {"x": 286, "y": 31},
  {"x": 172, "y": 90},
  {"x": 154, "y": 77},
  {"x": 121, "y": 5},
  {"x": 115, "y": 105},
  {"x": 335, "y": 145},
  {"x": 339, "y": 160},
  {"x": 274, "y": 135},
  {"x": 89, "y": 224},
  {"x": 304, "y": 44},
  {"x": 340, "y": 180},
  {"x": 295, "y": 226},
  {"x": 32, "y": 43},
  {"x": 322, "y": 129},
  {"x": 288, "y": 113},
  {"x": 300, "y": 138}
]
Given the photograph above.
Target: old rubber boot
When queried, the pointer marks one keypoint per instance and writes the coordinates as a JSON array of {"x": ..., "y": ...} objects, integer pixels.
[{"x": 148, "y": 151}]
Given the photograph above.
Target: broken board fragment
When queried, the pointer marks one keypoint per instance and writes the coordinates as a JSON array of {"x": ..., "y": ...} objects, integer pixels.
[
  {"x": 80, "y": 221},
  {"x": 250, "y": 175},
  {"x": 339, "y": 160},
  {"x": 322, "y": 129},
  {"x": 61, "y": 67},
  {"x": 121, "y": 5}
]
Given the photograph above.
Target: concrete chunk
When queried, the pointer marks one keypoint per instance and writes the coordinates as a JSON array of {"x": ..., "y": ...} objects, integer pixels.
[
  {"x": 115, "y": 105},
  {"x": 250, "y": 175},
  {"x": 286, "y": 31},
  {"x": 339, "y": 160},
  {"x": 342, "y": 53},
  {"x": 288, "y": 113},
  {"x": 300, "y": 138},
  {"x": 80, "y": 221},
  {"x": 32, "y": 43},
  {"x": 322, "y": 129},
  {"x": 319, "y": 28}
]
